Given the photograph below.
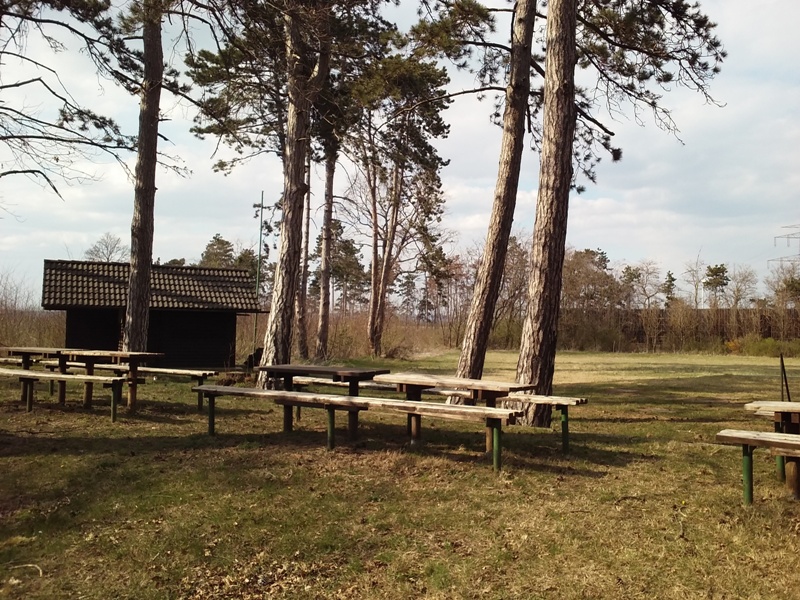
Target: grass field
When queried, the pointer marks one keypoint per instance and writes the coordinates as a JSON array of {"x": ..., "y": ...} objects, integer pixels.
[{"x": 645, "y": 506}]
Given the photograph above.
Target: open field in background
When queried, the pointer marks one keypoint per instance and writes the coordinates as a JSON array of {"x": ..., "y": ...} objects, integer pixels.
[{"x": 645, "y": 506}]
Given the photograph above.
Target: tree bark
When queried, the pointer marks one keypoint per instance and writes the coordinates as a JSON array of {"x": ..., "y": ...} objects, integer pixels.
[
  {"x": 278, "y": 337},
  {"x": 302, "y": 292},
  {"x": 142, "y": 224},
  {"x": 539, "y": 333},
  {"x": 490, "y": 272},
  {"x": 302, "y": 86},
  {"x": 381, "y": 277},
  {"x": 323, "y": 323}
]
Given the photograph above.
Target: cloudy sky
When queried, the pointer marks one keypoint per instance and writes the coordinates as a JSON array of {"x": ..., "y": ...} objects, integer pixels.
[{"x": 723, "y": 192}]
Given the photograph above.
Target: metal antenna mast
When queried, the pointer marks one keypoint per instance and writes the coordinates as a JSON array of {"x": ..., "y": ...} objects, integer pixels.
[{"x": 795, "y": 235}]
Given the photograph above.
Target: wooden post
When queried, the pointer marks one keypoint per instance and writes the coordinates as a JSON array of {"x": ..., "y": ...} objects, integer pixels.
[
  {"x": 331, "y": 426},
  {"x": 88, "y": 386},
  {"x": 747, "y": 473},
  {"x": 27, "y": 389},
  {"x": 211, "y": 402},
  {"x": 416, "y": 428},
  {"x": 414, "y": 394},
  {"x": 287, "y": 418},
  {"x": 200, "y": 381},
  {"x": 133, "y": 375},
  {"x": 116, "y": 397},
  {"x": 794, "y": 482},
  {"x": 564, "y": 427},
  {"x": 491, "y": 402},
  {"x": 62, "y": 385},
  {"x": 352, "y": 425},
  {"x": 780, "y": 461},
  {"x": 352, "y": 387}
]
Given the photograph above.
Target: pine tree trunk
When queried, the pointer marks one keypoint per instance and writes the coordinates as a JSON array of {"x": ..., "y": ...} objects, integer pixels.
[
  {"x": 490, "y": 272},
  {"x": 323, "y": 323},
  {"x": 278, "y": 337},
  {"x": 142, "y": 224},
  {"x": 538, "y": 348},
  {"x": 302, "y": 295},
  {"x": 381, "y": 277}
]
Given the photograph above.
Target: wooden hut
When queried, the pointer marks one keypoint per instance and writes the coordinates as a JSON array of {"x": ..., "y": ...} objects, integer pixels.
[{"x": 192, "y": 309}]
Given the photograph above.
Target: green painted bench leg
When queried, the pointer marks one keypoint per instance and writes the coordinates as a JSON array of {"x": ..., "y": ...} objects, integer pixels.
[
  {"x": 497, "y": 429},
  {"x": 331, "y": 426},
  {"x": 564, "y": 427},
  {"x": 211, "y": 402},
  {"x": 780, "y": 461},
  {"x": 747, "y": 473}
]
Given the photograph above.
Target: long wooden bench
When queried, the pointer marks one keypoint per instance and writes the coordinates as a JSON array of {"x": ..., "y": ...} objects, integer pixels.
[
  {"x": 198, "y": 375},
  {"x": 780, "y": 444},
  {"x": 10, "y": 360},
  {"x": 493, "y": 418},
  {"x": 27, "y": 379},
  {"x": 560, "y": 403}
]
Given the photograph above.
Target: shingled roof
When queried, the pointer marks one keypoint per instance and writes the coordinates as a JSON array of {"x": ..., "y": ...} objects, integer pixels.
[{"x": 83, "y": 284}]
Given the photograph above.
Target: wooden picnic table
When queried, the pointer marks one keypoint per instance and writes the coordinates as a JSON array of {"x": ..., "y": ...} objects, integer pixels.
[
  {"x": 485, "y": 390},
  {"x": 786, "y": 419},
  {"x": 133, "y": 359},
  {"x": 352, "y": 375},
  {"x": 89, "y": 358}
]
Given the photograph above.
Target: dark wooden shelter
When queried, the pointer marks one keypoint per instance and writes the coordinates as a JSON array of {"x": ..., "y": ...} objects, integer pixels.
[{"x": 192, "y": 309}]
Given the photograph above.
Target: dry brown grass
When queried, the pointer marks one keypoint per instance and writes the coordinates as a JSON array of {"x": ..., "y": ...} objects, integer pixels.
[{"x": 646, "y": 505}]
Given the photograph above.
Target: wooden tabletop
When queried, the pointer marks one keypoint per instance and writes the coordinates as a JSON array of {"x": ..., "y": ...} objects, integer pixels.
[
  {"x": 112, "y": 353},
  {"x": 773, "y": 406},
  {"x": 332, "y": 371},
  {"x": 425, "y": 380},
  {"x": 12, "y": 350}
]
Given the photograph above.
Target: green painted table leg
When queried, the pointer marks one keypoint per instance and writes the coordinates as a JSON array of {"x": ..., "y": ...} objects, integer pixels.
[
  {"x": 331, "y": 426},
  {"x": 496, "y": 426},
  {"x": 564, "y": 427},
  {"x": 747, "y": 473},
  {"x": 211, "y": 402}
]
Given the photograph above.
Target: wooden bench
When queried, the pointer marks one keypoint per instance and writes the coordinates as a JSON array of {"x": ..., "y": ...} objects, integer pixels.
[
  {"x": 780, "y": 444},
  {"x": 198, "y": 375},
  {"x": 28, "y": 378},
  {"x": 561, "y": 403},
  {"x": 300, "y": 381},
  {"x": 10, "y": 360},
  {"x": 493, "y": 418}
]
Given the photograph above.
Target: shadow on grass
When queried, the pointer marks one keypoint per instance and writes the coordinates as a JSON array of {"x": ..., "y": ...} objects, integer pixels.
[
  {"x": 373, "y": 436},
  {"x": 702, "y": 389}
]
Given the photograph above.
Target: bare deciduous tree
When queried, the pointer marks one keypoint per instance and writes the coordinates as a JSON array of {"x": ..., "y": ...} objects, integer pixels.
[{"x": 109, "y": 248}]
